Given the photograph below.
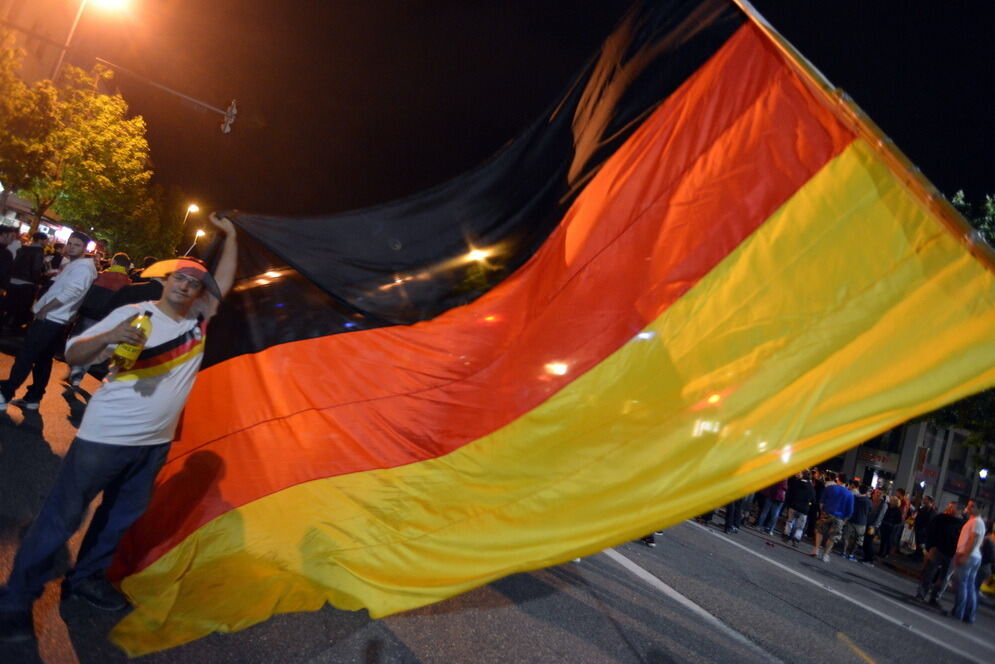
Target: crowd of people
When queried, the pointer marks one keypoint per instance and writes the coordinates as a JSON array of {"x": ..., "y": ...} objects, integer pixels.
[
  {"x": 51, "y": 290},
  {"x": 88, "y": 314},
  {"x": 859, "y": 523}
]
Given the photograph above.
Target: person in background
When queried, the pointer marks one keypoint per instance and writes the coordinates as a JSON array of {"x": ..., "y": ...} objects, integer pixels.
[
  {"x": 967, "y": 560},
  {"x": 890, "y": 525},
  {"x": 837, "y": 506},
  {"x": 14, "y": 243},
  {"x": 147, "y": 262},
  {"x": 819, "y": 484},
  {"x": 775, "y": 495},
  {"x": 96, "y": 303},
  {"x": 855, "y": 528},
  {"x": 925, "y": 514},
  {"x": 7, "y": 233},
  {"x": 987, "y": 557},
  {"x": 53, "y": 313},
  {"x": 941, "y": 538},
  {"x": 25, "y": 275},
  {"x": 734, "y": 516},
  {"x": 799, "y": 499}
]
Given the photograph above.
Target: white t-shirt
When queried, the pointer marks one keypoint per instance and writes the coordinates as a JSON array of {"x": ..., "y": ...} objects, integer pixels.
[
  {"x": 141, "y": 406},
  {"x": 69, "y": 287},
  {"x": 976, "y": 525}
]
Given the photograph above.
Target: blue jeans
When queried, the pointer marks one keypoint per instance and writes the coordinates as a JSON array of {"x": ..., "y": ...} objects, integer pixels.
[
  {"x": 125, "y": 474},
  {"x": 769, "y": 514},
  {"x": 43, "y": 340},
  {"x": 966, "y": 603}
]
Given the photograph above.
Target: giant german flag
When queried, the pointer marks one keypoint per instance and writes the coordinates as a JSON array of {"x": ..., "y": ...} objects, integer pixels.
[{"x": 701, "y": 271}]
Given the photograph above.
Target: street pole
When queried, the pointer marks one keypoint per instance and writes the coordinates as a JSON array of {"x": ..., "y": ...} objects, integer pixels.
[
  {"x": 196, "y": 237},
  {"x": 69, "y": 39},
  {"x": 190, "y": 208}
]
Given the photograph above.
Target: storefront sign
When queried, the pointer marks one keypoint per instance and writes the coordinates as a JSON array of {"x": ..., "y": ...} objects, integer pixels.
[
  {"x": 877, "y": 459},
  {"x": 957, "y": 484}
]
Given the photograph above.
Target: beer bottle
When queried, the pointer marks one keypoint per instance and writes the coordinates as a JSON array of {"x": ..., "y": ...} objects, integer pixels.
[{"x": 125, "y": 354}]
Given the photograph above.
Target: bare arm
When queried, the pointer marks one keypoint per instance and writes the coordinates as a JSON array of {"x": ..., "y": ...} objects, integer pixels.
[
  {"x": 92, "y": 349},
  {"x": 53, "y": 304},
  {"x": 224, "y": 274}
]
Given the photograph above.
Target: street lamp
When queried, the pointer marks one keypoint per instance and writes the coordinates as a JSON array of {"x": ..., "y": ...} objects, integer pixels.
[
  {"x": 190, "y": 208},
  {"x": 983, "y": 474},
  {"x": 200, "y": 234},
  {"x": 105, "y": 4}
]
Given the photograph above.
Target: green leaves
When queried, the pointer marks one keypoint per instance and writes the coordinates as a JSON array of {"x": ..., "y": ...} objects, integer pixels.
[{"x": 74, "y": 149}]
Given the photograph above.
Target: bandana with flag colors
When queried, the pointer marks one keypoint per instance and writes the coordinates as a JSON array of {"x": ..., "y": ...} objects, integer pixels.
[{"x": 702, "y": 270}]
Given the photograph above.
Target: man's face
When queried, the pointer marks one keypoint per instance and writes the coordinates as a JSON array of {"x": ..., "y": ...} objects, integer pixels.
[
  {"x": 970, "y": 509},
  {"x": 181, "y": 289},
  {"x": 75, "y": 247}
]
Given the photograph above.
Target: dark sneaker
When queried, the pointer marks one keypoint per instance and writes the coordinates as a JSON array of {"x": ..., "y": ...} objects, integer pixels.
[
  {"x": 98, "y": 591},
  {"x": 25, "y": 404},
  {"x": 16, "y": 626}
]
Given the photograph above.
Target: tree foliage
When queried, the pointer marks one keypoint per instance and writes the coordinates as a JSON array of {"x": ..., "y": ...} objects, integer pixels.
[
  {"x": 74, "y": 149},
  {"x": 28, "y": 115}
]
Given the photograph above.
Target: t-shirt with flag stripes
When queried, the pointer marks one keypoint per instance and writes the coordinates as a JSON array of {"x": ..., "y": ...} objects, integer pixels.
[{"x": 142, "y": 405}]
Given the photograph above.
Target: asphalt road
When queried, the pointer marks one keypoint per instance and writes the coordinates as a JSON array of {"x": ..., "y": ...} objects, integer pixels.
[{"x": 699, "y": 596}]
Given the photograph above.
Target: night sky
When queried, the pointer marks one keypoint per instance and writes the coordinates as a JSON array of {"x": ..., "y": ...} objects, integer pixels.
[{"x": 346, "y": 104}]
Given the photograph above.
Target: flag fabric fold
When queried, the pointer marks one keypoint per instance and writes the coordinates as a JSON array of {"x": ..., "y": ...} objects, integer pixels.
[{"x": 721, "y": 279}]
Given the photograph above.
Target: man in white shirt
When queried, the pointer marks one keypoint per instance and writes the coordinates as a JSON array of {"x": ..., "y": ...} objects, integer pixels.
[
  {"x": 124, "y": 438},
  {"x": 966, "y": 562},
  {"x": 53, "y": 313},
  {"x": 13, "y": 244}
]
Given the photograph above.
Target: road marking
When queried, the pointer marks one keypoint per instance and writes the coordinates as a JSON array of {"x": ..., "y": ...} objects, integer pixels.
[
  {"x": 655, "y": 582},
  {"x": 947, "y": 624},
  {"x": 830, "y": 589},
  {"x": 853, "y": 646}
]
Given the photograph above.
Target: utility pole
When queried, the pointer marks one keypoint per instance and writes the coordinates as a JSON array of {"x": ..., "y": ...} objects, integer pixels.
[{"x": 229, "y": 115}]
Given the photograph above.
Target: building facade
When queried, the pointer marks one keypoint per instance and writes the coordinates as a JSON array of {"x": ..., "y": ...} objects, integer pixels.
[{"x": 923, "y": 459}]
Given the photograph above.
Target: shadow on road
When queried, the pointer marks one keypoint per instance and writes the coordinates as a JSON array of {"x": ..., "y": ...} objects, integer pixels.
[{"x": 27, "y": 471}]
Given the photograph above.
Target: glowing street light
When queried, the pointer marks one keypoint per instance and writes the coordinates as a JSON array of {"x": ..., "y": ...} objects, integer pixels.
[
  {"x": 193, "y": 207},
  {"x": 983, "y": 473},
  {"x": 200, "y": 234},
  {"x": 112, "y": 5}
]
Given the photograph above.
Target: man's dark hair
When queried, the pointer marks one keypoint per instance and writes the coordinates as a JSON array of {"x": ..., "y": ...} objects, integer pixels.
[
  {"x": 148, "y": 261},
  {"x": 39, "y": 236},
  {"x": 855, "y": 482},
  {"x": 121, "y": 258},
  {"x": 830, "y": 476},
  {"x": 58, "y": 245},
  {"x": 864, "y": 488},
  {"x": 7, "y": 229},
  {"x": 929, "y": 498},
  {"x": 806, "y": 475},
  {"x": 77, "y": 235}
]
